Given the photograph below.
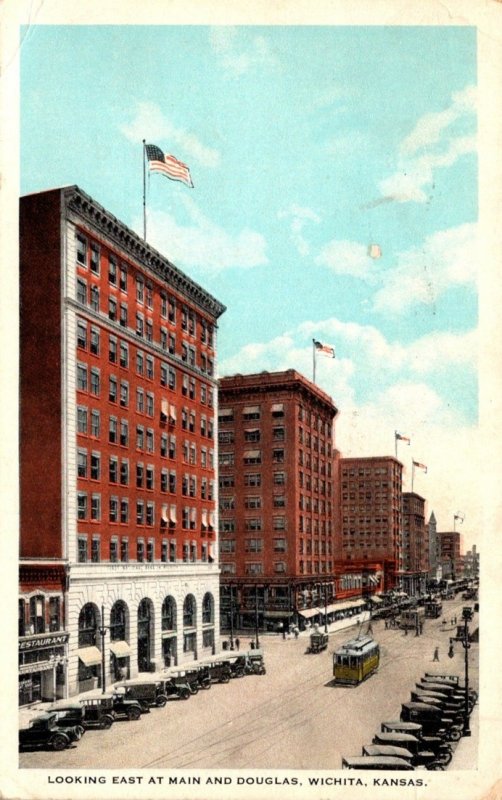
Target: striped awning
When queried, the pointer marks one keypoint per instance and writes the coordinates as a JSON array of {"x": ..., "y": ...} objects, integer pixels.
[
  {"x": 310, "y": 612},
  {"x": 89, "y": 656},
  {"x": 120, "y": 649}
]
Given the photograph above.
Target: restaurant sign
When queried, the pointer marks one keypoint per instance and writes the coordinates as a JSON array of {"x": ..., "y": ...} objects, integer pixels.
[{"x": 45, "y": 640}]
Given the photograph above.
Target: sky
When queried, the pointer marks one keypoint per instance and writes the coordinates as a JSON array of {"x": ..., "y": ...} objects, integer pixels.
[{"x": 335, "y": 198}]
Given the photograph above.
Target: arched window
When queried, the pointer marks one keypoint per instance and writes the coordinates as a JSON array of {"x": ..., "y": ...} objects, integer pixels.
[
  {"x": 208, "y": 608},
  {"x": 88, "y": 626},
  {"x": 118, "y": 622},
  {"x": 37, "y": 614},
  {"x": 189, "y": 611},
  {"x": 169, "y": 614}
]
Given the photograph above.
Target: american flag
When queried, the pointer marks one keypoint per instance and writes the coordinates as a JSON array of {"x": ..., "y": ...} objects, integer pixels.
[
  {"x": 421, "y": 466},
  {"x": 402, "y": 438},
  {"x": 327, "y": 349},
  {"x": 168, "y": 165}
]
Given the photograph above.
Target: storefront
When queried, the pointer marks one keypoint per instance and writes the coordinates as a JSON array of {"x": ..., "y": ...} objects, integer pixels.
[{"x": 42, "y": 667}]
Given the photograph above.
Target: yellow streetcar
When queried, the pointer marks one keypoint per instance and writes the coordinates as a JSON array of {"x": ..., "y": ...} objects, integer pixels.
[{"x": 355, "y": 661}]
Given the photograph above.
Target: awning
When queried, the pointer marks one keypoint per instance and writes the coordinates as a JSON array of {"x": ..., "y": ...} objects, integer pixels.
[
  {"x": 277, "y": 614},
  {"x": 172, "y": 514},
  {"x": 225, "y": 412},
  {"x": 252, "y": 453},
  {"x": 89, "y": 655},
  {"x": 164, "y": 515},
  {"x": 204, "y": 517},
  {"x": 375, "y": 599},
  {"x": 345, "y": 606},
  {"x": 172, "y": 413},
  {"x": 120, "y": 649},
  {"x": 164, "y": 408},
  {"x": 310, "y": 612},
  {"x": 251, "y": 410},
  {"x": 277, "y": 407}
]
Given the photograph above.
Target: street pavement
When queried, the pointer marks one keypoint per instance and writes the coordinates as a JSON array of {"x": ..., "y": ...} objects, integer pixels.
[{"x": 291, "y": 718}]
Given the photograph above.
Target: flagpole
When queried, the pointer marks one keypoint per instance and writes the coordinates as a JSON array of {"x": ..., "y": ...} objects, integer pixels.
[
  {"x": 395, "y": 442},
  {"x": 144, "y": 191},
  {"x": 412, "y": 474},
  {"x": 313, "y": 359}
]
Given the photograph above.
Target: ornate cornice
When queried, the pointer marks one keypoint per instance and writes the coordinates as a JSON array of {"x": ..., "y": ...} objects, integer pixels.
[{"x": 80, "y": 203}]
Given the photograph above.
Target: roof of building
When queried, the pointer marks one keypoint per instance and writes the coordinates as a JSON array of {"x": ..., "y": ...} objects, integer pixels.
[{"x": 273, "y": 382}]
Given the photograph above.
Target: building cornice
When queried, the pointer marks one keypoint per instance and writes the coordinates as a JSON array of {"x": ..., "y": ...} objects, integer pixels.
[{"x": 91, "y": 212}]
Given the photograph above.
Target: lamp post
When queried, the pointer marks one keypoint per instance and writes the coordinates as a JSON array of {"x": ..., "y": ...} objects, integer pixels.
[
  {"x": 324, "y": 586},
  {"x": 102, "y": 632},
  {"x": 464, "y": 640},
  {"x": 231, "y": 617},
  {"x": 257, "y": 640}
]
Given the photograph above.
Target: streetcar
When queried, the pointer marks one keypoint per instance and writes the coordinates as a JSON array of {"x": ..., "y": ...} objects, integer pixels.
[
  {"x": 433, "y": 608},
  {"x": 355, "y": 661},
  {"x": 412, "y": 618}
]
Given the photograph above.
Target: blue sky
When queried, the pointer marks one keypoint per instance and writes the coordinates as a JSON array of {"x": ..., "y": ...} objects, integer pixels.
[{"x": 306, "y": 146}]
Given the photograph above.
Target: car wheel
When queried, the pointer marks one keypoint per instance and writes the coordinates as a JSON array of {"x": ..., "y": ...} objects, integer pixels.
[
  {"x": 185, "y": 694},
  {"x": 445, "y": 758},
  {"x": 206, "y": 685},
  {"x": 194, "y": 689},
  {"x": 436, "y": 766},
  {"x": 80, "y": 731},
  {"x": 225, "y": 678},
  {"x": 59, "y": 741},
  {"x": 454, "y": 735},
  {"x": 134, "y": 713},
  {"x": 161, "y": 700},
  {"x": 106, "y": 723}
]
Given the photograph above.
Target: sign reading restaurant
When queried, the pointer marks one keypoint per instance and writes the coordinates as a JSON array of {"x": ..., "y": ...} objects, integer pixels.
[{"x": 43, "y": 641}]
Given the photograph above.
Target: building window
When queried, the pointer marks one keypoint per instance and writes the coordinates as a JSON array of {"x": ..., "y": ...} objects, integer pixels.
[
  {"x": 150, "y": 550},
  {"x": 123, "y": 278},
  {"x": 140, "y": 325},
  {"x": 279, "y": 478},
  {"x": 94, "y": 343},
  {"x": 124, "y": 550},
  {"x": 112, "y": 431},
  {"x": 140, "y": 512},
  {"x": 140, "y": 550},
  {"x": 253, "y": 524},
  {"x": 54, "y": 614},
  {"x": 124, "y": 354},
  {"x": 124, "y": 510},
  {"x": 81, "y": 505},
  {"x": 150, "y": 513},
  {"x": 82, "y": 334},
  {"x": 114, "y": 509},
  {"x": 149, "y": 440},
  {"x": 252, "y": 457},
  {"x": 94, "y": 298},
  {"x": 124, "y": 472},
  {"x": 140, "y": 289},
  {"x": 112, "y": 389},
  {"x": 81, "y": 250},
  {"x": 81, "y": 419},
  {"x": 96, "y": 507},
  {"x": 252, "y": 479},
  {"x": 254, "y": 568},
  {"x": 123, "y": 315},
  {"x": 95, "y": 381},
  {"x": 82, "y": 377},
  {"x": 278, "y": 456},
  {"x": 279, "y": 523},
  {"x": 124, "y": 394},
  {"x": 149, "y": 331},
  {"x": 82, "y": 463},
  {"x": 124, "y": 433},
  {"x": 82, "y": 549},
  {"x": 112, "y": 309},
  {"x": 114, "y": 550},
  {"x": 95, "y": 550},
  {"x": 149, "y": 367},
  {"x": 149, "y": 404}
]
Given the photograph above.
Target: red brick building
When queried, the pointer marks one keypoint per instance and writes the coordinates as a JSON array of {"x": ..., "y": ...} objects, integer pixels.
[
  {"x": 369, "y": 500},
  {"x": 118, "y": 397},
  {"x": 415, "y": 545}
]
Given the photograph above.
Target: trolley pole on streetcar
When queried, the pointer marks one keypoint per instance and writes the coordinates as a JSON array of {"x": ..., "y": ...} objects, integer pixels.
[
  {"x": 102, "y": 632},
  {"x": 464, "y": 640}
]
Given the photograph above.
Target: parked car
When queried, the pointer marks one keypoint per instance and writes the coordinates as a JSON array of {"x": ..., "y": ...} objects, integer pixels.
[
  {"x": 147, "y": 693},
  {"x": 318, "y": 642},
  {"x": 111, "y": 704},
  {"x": 255, "y": 663},
  {"x": 93, "y": 714},
  {"x": 177, "y": 687},
  {"x": 44, "y": 731}
]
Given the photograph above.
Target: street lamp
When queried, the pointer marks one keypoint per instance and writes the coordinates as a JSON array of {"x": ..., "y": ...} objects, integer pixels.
[
  {"x": 257, "y": 640},
  {"x": 464, "y": 640},
  {"x": 55, "y": 661},
  {"x": 102, "y": 632},
  {"x": 231, "y": 617}
]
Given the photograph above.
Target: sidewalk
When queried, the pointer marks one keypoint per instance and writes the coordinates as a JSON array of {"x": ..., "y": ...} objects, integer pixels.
[{"x": 465, "y": 755}]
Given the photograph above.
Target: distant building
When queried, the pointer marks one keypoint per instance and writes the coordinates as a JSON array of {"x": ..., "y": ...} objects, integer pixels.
[
  {"x": 449, "y": 554},
  {"x": 370, "y": 512},
  {"x": 471, "y": 563},
  {"x": 117, "y": 455},
  {"x": 433, "y": 555},
  {"x": 415, "y": 545}
]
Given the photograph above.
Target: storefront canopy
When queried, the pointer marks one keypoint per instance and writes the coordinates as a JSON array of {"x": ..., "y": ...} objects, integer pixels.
[
  {"x": 89, "y": 655},
  {"x": 120, "y": 649},
  {"x": 310, "y": 612}
]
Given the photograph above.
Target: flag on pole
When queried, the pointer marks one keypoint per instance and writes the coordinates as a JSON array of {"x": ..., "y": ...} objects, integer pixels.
[
  {"x": 402, "y": 438},
  {"x": 168, "y": 165},
  {"x": 420, "y": 466},
  {"x": 326, "y": 349},
  {"x": 459, "y": 517}
]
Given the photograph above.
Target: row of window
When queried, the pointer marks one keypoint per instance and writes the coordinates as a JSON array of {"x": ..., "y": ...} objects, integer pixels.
[
  {"x": 89, "y": 257},
  {"x": 39, "y": 614},
  {"x": 253, "y": 545},
  {"x": 119, "y": 313},
  {"x": 305, "y": 525},
  {"x": 252, "y": 568},
  {"x": 89, "y": 550},
  {"x": 252, "y": 502},
  {"x": 118, "y": 512}
]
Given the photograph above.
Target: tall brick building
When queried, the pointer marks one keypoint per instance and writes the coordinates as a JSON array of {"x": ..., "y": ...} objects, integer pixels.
[
  {"x": 370, "y": 491},
  {"x": 415, "y": 545},
  {"x": 276, "y": 483},
  {"x": 118, "y": 398},
  {"x": 449, "y": 554}
]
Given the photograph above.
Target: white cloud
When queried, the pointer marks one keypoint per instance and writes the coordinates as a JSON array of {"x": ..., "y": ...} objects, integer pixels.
[
  {"x": 446, "y": 258},
  {"x": 400, "y": 394},
  {"x": 429, "y": 146},
  {"x": 299, "y": 216},
  {"x": 150, "y": 122},
  {"x": 346, "y": 145},
  {"x": 204, "y": 244},
  {"x": 234, "y": 56},
  {"x": 347, "y": 258}
]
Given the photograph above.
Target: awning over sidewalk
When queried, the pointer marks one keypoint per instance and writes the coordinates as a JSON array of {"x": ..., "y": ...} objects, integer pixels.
[
  {"x": 89, "y": 655},
  {"x": 277, "y": 614},
  {"x": 120, "y": 649},
  {"x": 375, "y": 599},
  {"x": 310, "y": 612}
]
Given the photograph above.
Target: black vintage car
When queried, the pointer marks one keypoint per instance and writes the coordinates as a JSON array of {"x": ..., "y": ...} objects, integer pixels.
[
  {"x": 92, "y": 713},
  {"x": 110, "y": 704},
  {"x": 44, "y": 731},
  {"x": 146, "y": 693}
]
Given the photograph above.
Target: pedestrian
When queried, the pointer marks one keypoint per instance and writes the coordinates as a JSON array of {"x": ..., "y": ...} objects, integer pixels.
[
  {"x": 370, "y": 629},
  {"x": 406, "y": 631},
  {"x": 386, "y": 624},
  {"x": 421, "y": 627},
  {"x": 296, "y": 633},
  {"x": 237, "y": 643},
  {"x": 436, "y": 654},
  {"x": 454, "y": 620}
]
